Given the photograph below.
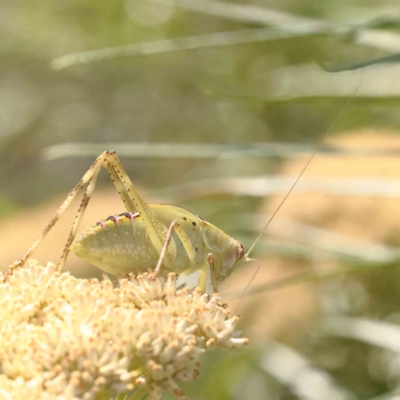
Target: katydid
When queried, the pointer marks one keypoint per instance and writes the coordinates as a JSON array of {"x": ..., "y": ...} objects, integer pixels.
[{"x": 145, "y": 234}]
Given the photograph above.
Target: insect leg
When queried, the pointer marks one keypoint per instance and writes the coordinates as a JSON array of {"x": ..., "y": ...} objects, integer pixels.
[
  {"x": 78, "y": 218},
  {"x": 119, "y": 184},
  {"x": 94, "y": 169},
  {"x": 208, "y": 266},
  {"x": 165, "y": 246},
  {"x": 203, "y": 277},
  {"x": 156, "y": 230},
  {"x": 187, "y": 244},
  {"x": 210, "y": 261}
]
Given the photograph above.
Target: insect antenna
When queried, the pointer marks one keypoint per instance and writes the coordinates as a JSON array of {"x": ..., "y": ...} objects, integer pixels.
[
  {"x": 248, "y": 285},
  {"x": 306, "y": 165}
]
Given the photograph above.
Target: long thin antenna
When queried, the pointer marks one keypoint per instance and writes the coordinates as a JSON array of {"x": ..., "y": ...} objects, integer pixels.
[{"x": 321, "y": 141}]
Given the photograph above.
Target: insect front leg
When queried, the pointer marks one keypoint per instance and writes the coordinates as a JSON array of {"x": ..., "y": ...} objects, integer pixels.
[
  {"x": 191, "y": 255},
  {"x": 208, "y": 266},
  {"x": 202, "y": 283}
]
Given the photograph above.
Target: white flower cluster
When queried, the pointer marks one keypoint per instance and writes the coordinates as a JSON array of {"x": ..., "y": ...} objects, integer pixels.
[{"x": 68, "y": 338}]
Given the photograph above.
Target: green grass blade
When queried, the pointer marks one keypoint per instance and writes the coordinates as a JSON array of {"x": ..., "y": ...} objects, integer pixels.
[
  {"x": 373, "y": 332},
  {"x": 305, "y": 380},
  {"x": 209, "y": 150},
  {"x": 179, "y": 44}
]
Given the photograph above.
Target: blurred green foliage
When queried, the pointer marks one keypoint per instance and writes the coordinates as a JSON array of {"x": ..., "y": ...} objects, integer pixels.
[{"x": 253, "y": 91}]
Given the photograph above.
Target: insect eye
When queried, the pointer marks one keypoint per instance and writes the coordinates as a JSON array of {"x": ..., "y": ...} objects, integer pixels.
[{"x": 240, "y": 252}]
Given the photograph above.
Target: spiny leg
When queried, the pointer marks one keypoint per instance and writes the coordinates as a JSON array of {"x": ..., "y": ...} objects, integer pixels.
[
  {"x": 119, "y": 184},
  {"x": 94, "y": 169},
  {"x": 133, "y": 202},
  {"x": 78, "y": 218},
  {"x": 191, "y": 255},
  {"x": 187, "y": 245},
  {"x": 103, "y": 160},
  {"x": 156, "y": 230},
  {"x": 171, "y": 229},
  {"x": 127, "y": 200}
]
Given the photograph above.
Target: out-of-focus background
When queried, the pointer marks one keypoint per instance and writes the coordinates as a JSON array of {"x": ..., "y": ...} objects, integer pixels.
[{"x": 249, "y": 88}]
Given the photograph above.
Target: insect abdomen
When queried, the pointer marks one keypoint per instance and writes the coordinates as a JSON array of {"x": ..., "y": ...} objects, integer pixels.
[{"x": 118, "y": 245}]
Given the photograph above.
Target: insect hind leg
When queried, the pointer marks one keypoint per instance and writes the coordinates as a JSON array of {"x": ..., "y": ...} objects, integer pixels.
[
  {"x": 87, "y": 177},
  {"x": 78, "y": 218},
  {"x": 133, "y": 202},
  {"x": 156, "y": 230}
]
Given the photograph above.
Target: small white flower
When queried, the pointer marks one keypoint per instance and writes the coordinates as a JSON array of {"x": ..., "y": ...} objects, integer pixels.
[{"x": 69, "y": 338}]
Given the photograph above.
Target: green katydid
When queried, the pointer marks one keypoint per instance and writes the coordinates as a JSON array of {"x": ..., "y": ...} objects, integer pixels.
[{"x": 146, "y": 235}]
